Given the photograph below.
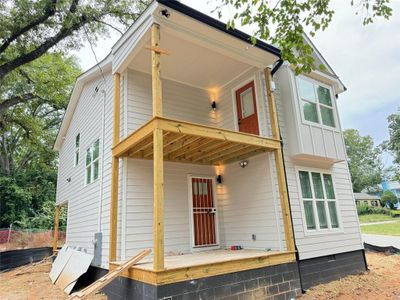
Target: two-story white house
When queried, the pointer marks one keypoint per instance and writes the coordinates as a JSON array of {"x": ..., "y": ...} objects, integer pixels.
[{"x": 193, "y": 142}]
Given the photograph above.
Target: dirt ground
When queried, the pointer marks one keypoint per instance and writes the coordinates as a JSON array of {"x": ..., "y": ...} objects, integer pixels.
[
  {"x": 381, "y": 282},
  {"x": 32, "y": 282}
]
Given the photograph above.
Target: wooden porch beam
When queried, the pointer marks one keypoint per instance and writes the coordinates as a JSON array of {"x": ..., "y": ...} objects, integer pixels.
[
  {"x": 56, "y": 224},
  {"x": 280, "y": 170},
  {"x": 115, "y": 171},
  {"x": 158, "y": 154}
]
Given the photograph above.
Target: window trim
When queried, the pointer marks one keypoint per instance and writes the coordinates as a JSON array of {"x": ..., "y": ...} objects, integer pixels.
[
  {"x": 318, "y": 230},
  {"x": 77, "y": 149},
  {"x": 318, "y": 104},
  {"x": 91, "y": 164}
]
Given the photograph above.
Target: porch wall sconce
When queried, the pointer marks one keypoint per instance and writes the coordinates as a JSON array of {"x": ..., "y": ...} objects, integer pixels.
[
  {"x": 214, "y": 105},
  {"x": 243, "y": 163},
  {"x": 219, "y": 179}
]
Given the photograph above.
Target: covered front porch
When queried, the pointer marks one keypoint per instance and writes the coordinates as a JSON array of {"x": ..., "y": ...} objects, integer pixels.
[{"x": 162, "y": 140}]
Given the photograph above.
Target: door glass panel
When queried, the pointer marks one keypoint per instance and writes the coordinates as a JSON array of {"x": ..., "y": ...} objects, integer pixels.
[
  {"x": 309, "y": 212},
  {"x": 317, "y": 183},
  {"x": 323, "y": 224},
  {"x": 310, "y": 111},
  {"x": 246, "y": 99}
]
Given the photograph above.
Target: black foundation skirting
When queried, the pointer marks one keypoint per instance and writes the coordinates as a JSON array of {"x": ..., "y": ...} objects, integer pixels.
[
  {"x": 324, "y": 269},
  {"x": 16, "y": 258},
  {"x": 275, "y": 282}
]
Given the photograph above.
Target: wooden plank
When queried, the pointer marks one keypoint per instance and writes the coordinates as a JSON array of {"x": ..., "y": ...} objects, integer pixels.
[
  {"x": 241, "y": 157},
  {"x": 216, "y": 147},
  {"x": 56, "y": 224},
  {"x": 115, "y": 170},
  {"x": 158, "y": 192},
  {"x": 216, "y": 133},
  {"x": 239, "y": 154},
  {"x": 172, "y": 274},
  {"x": 186, "y": 140},
  {"x": 194, "y": 143},
  {"x": 280, "y": 171},
  {"x": 106, "y": 279},
  {"x": 122, "y": 148},
  {"x": 229, "y": 151},
  {"x": 156, "y": 70},
  {"x": 144, "y": 144},
  {"x": 196, "y": 148},
  {"x": 284, "y": 197}
]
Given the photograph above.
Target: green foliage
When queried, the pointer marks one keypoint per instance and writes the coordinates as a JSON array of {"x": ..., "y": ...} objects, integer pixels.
[
  {"x": 292, "y": 20},
  {"x": 370, "y": 218},
  {"x": 364, "y": 160},
  {"x": 364, "y": 209},
  {"x": 28, "y": 163},
  {"x": 30, "y": 29},
  {"x": 393, "y": 145},
  {"x": 388, "y": 198}
]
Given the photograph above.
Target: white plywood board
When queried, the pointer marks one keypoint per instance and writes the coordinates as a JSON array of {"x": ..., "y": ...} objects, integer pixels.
[{"x": 59, "y": 263}]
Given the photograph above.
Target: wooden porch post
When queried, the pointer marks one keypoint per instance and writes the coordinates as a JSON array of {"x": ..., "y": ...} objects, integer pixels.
[
  {"x": 158, "y": 155},
  {"x": 115, "y": 172},
  {"x": 56, "y": 224},
  {"x": 280, "y": 171}
]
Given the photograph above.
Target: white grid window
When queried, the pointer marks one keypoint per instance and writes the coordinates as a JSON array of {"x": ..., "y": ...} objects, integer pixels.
[
  {"x": 319, "y": 201},
  {"x": 77, "y": 151},
  {"x": 92, "y": 162},
  {"x": 316, "y": 102}
]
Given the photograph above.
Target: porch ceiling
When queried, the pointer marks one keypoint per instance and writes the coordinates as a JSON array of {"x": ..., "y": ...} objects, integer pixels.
[
  {"x": 191, "y": 63},
  {"x": 193, "y": 143}
]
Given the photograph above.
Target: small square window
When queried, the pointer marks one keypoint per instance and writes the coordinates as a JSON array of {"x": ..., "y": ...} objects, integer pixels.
[
  {"x": 310, "y": 111},
  {"x": 327, "y": 116}
]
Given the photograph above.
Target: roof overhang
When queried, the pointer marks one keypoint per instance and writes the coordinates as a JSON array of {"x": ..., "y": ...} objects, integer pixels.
[{"x": 94, "y": 72}]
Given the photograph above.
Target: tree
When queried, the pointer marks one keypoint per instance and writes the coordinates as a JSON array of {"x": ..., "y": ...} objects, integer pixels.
[
  {"x": 393, "y": 145},
  {"x": 388, "y": 198},
  {"x": 292, "y": 20},
  {"x": 363, "y": 159},
  {"x": 28, "y": 163},
  {"x": 29, "y": 29}
]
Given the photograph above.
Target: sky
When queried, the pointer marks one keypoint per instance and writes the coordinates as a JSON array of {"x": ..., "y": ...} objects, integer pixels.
[{"x": 366, "y": 58}]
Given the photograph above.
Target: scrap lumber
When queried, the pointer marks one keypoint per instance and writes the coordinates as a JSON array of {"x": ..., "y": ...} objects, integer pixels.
[{"x": 106, "y": 279}]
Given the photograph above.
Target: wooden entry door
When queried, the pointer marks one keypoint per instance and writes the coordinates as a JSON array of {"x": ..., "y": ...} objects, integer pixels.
[
  {"x": 247, "y": 109},
  {"x": 204, "y": 213}
]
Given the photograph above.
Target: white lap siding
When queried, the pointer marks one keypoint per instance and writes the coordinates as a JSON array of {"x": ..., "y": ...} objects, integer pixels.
[
  {"x": 349, "y": 237},
  {"x": 83, "y": 200}
]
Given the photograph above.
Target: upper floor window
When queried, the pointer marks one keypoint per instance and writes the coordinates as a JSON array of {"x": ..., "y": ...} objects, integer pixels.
[
  {"x": 92, "y": 162},
  {"x": 319, "y": 201},
  {"x": 316, "y": 102},
  {"x": 77, "y": 145}
]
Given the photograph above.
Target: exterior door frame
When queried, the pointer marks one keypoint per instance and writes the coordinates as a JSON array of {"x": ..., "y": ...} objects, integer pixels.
[
  {"x": 242, "y": 83},
  {"x": 193, "y": 247}
]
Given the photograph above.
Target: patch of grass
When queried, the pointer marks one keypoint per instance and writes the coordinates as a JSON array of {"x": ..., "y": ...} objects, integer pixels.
[
  {"x": 383, "y": 229},
  {"x": 374, "y": 218},
  {"x": 395, "y": 213}
]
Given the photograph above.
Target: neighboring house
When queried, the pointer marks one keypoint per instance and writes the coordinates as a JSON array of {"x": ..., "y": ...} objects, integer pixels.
[
  {"x": 394, "y": 187},
  {"x": 211, "y": 154},
  {"x": 364, "y": 198}
]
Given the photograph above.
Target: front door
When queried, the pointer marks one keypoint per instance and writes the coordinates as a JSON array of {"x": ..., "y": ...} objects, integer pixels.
[
  {"x": 247, "y": 109},
  {"x": 204, "y": 212}
]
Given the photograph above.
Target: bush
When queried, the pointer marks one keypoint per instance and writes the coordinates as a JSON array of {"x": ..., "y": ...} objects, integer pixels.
[{"x": 364, "y": 209}]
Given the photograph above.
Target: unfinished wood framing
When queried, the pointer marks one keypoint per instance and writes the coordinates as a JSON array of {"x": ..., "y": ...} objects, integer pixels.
[
  {"x": 193, "y": 143},
  {"x": 56, "y": 224},
  {"x": 280, "y": 170},
  {"x": 158, "y": 155},
  {"x": 196, "y": 270},
  {"x": 115, "y": 171}
]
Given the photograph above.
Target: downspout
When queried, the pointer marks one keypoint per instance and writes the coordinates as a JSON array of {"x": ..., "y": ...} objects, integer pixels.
[
  {"x": 279, "y": 63},
  {"x": 102, "y": 161}
]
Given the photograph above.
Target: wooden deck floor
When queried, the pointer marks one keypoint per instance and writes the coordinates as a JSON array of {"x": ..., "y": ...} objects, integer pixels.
[{"x": 204, "y": 264}]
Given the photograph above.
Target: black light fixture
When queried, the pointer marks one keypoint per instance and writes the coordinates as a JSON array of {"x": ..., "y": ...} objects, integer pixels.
[
  {"x": 243, "y": 163},
  {"x": 219, "y": 179},
  {"x": 214, "y": 105},
  {"x": 165, "y": 13}
]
